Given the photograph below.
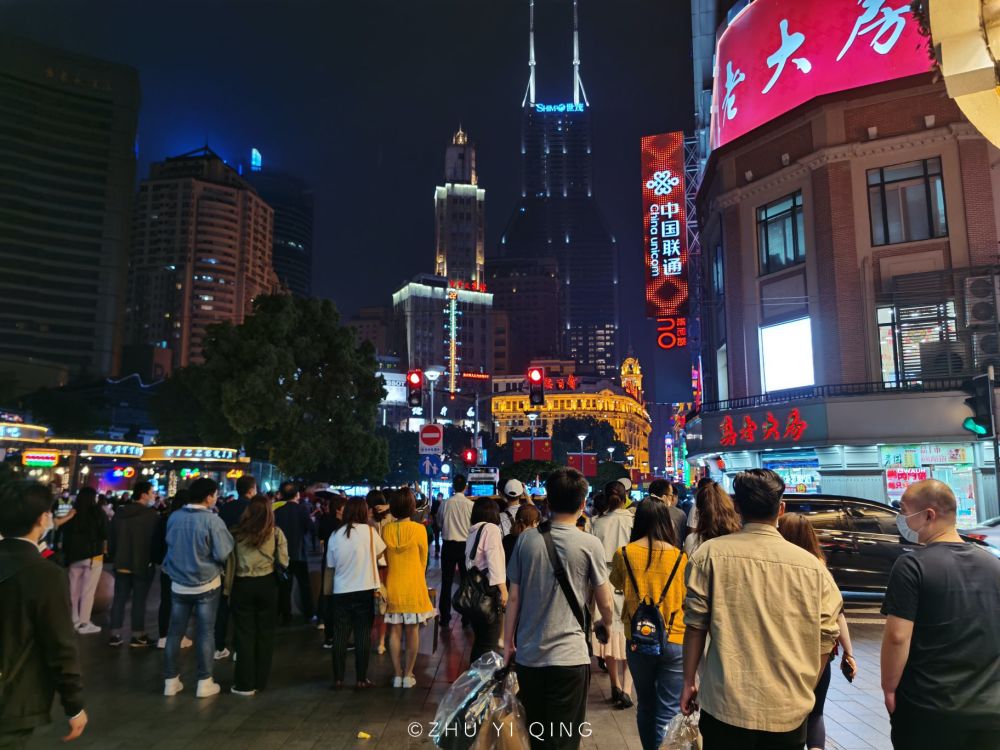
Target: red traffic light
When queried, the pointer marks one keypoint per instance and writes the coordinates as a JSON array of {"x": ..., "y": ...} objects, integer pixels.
[
  {"x": 469, "y": 456},
  {"x": 415, "y": 377},
  {"x": 536, "y": 374}
]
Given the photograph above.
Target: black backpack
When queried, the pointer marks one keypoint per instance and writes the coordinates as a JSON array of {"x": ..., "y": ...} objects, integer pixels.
[{"x": 649, "y": 633}]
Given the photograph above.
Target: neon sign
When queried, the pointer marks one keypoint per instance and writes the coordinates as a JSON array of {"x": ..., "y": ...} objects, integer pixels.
[
  {"x": 256, "y": 160},
  {"x": 471, "y": 286},
  {"x": 452, "y": 341},
  {"x": 793, "y": 428},
  {"x": 40, "y": 458},
  {"x": 157, "y": 453},
  {"x": 779, "y": 54},
  {"x": 115, "y": 449},
  {"x": 123, "y": 473},
  {"x": 563, "y": 107}
]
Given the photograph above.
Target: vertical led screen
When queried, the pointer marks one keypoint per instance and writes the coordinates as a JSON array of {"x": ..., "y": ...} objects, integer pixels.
[{"x": 665, "y": 237}]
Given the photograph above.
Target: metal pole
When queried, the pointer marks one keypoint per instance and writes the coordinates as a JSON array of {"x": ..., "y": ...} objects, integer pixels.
[
  {"x": 432, "y": 400},
  {"x": 476, "y": 441},
  {"x": 996, "y": 444}
]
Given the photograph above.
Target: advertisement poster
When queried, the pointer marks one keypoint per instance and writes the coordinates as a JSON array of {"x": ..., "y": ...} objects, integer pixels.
[
  {"x": 897, "y": 480},
  {"x": 954, "y": 453},
  {"x": 899, "y": 456}
]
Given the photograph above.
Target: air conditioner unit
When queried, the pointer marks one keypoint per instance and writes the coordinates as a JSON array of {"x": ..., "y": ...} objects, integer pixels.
[
  {"x": 986, "y": 350},
  {"x": 944, "y": 359},
  {"x": 980, "y": 300}
]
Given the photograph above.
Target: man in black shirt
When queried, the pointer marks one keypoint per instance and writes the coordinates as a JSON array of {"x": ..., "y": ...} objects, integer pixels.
[
  {"x": 941, "y": 647},
  {"x": 295, "y": 523}
]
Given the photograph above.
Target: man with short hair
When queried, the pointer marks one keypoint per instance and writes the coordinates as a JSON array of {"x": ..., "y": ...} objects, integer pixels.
[
  {"x": 133, "y": 534},
  {"x": 545, "y": 627},
  {"x": 456, "y": 518},
  {"x": 771, "y": 608},
  {"x": 295, "y": 522},
  {"x": 941, "y": 644},
  {"x": 38, "y": 654},
  {"x": 198, "y": 545},
  {"x": 231, "y": 513}
]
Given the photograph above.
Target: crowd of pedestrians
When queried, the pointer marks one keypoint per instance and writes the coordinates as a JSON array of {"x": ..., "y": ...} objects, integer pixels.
[{"x": 728, "y": 610}]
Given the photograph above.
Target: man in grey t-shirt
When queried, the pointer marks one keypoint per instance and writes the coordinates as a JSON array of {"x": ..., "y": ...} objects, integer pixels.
[{"x": 549, "y": 647}]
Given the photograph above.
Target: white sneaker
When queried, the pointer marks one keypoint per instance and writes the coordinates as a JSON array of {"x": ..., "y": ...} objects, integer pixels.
[
  {"x": 397, "y": 682},
  {"x": 409, "y": 682},
  {"x": 87, "y": 628},
  {"x": 246, "y": 693},
  {"x": 207, "y": 688},
  {"x": 220, "y": 655},
  {"x": 161, "y": 643},
  {"x": 173, "y": 686}
]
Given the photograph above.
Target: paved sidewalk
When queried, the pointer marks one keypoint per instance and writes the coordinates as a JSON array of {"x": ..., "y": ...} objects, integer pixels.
[{"x": 298, "y": 711}]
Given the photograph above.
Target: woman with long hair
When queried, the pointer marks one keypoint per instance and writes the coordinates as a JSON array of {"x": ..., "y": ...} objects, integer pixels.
[
  {"x": 484, "y": 551},
  {"x": 614, "y": 528},
  {"x": 650, "y": 569},
  {"x": 527, "y": 517},
  {"x": 352, "y": 555},
  {"x": 85, "y": 539},
  {"x": 252, "y": 588},
  {"x": 716, "y": 513},
  {"x": 797, "y": 530},
  {"x": 408, "y": 604}
]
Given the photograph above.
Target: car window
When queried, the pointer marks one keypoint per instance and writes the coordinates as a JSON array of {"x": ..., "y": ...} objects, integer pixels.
[
  {"x": 820, "y": 515},
  {"x": 872, "y": 520}
]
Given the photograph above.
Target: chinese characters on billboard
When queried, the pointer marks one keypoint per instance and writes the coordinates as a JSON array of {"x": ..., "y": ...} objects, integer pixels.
[
  {"x": 778, "y": 54},
  {"x": 665, "y": 237}
]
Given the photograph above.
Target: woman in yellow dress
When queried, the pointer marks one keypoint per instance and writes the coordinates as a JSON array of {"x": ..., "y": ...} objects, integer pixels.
[{"x": 408, "y": 604}]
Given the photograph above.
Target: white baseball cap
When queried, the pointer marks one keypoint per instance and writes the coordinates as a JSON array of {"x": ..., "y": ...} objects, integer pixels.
[
  {"x": 513, "y": 488},
  {"x": 625, "y": 482}
]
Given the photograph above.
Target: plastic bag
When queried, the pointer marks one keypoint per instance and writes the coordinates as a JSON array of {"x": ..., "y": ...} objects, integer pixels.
[
  {"x": 682, "y": 733},
  {"x": 504, "y": 727},
  {"x": 467, "y": 704}
]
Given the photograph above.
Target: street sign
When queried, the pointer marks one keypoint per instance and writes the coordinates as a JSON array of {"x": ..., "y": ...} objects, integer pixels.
[
  {"x": 431, "y": 440},
  {"x": 430, "y": 466}
]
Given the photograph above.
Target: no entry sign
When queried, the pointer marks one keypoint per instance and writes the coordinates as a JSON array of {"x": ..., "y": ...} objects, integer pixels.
[{"x": 431, "y": 440}]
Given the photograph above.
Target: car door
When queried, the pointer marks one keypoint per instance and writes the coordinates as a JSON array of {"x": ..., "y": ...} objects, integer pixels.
[
  {"x": 836, "y": 537},
  {"x": 879, "y": 543}
]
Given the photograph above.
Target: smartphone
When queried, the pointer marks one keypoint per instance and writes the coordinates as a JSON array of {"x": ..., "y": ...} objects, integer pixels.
[{"x": 845, "y": 668}]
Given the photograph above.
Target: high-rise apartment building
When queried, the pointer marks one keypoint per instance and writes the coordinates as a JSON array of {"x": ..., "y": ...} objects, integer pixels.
[
  {"x": 460, "y": 216},
  {"x": 201, "y": 253},
  {"x": 559, "y": 217},
  {"x": 374, "y": 324},
  {"x": 292, "y": 201},
  {"x": 526, "y": 290},
  {"x": 67, "y": 165}
]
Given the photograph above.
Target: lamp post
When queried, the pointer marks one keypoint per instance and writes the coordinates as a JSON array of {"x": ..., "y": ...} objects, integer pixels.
[
  {"x": 432, "y": 374},
  {"x": 581, "y": 437},
  {"x": 630, "y": 458},
  {"x": 532, "y": 416},
  {"x": 611, "y": 453}
]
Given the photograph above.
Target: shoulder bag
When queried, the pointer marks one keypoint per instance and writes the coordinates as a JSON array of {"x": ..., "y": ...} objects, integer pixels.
[
  {"x": 581, "y": 614},
  {"x": 381, "y": 600},
  {"x": 280, "y": 571},
  {"x": 476, "y": 599}
]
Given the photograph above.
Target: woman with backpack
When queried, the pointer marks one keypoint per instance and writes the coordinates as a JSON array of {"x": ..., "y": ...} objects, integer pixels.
[
  {"x": 85, "y": 538},
  {"x": 259, "y": 552},
  {"x": 650, "y": 570},
  {"x": 484, "y": 552},
  {"x": 613, "y": 526}
]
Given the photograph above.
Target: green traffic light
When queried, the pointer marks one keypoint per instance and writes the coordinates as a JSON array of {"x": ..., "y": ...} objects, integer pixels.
[{"x": 972, "y": 426}]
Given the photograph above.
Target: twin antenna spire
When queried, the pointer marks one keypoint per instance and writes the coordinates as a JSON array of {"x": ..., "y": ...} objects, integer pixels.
[{"x": 578, "y": 91}]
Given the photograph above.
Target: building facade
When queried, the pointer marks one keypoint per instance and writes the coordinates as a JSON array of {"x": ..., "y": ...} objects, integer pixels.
[
  {"x": 375, "y": 324},
  {"x": 66, "y": 180},
  {"x": 569, "y": 395},
  {"x": 460, "y": 216},
  {"x": 201, "y": 253},
  {"x": 527, "y": 291},
  {"x": 850, "y": 248},
  {"x": 442, "y": 325},
  {"x": 292, "y": 202}
]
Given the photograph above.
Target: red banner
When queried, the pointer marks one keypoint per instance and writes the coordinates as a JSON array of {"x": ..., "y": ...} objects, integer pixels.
[
  {"x": 778, "y": 54},
  {"x": 585, "y": 463},
  {"x": 538, "y": 449}
]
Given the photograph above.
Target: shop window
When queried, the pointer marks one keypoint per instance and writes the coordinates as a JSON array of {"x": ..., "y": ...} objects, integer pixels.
[
  {"x": 718, "y": 270},
  {"x": 887, "y": 344},
  {"x": 781, "y": 238},
  {"x": 906, "y": 202},
  {"x": 786, "y": 358}
]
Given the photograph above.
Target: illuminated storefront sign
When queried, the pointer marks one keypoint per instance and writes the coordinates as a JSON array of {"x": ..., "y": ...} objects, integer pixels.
[
  {"x": 234, "y": 473},
  {"x": 778, "y": 54},
  {"x": 22, "y": 432},
  {"x": 563, "y": 107},
  {"x": 125, "y": 450},
  {"x": 665, "y": 237},
  {"x": 39, "y": 458},
  {"x": 475, "y": 376},
  {"x": 126, "y": 472},
  {"x": 471, "y": 286},
  {"x": 9, "y": 416},
  {"x": 758, "y": 429},
  {"x": 179, "y": 453}
]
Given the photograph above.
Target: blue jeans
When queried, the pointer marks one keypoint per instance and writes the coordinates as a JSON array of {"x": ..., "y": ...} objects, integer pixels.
[
  {"x": 204, "y": 607},
  {"x": 658, "y": 682}
]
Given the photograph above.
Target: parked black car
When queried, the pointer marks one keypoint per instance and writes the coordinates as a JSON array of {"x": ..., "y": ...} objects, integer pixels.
[{"x": 859, "y": 538}]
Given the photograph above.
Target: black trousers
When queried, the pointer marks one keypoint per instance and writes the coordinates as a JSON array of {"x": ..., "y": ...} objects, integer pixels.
[
  {"x": 15, "y": 740},
  {"x": 134, "y": 587},
  {"x": 555, "y": 704},
  {"x": 298, "y": 571},
  {"x": 352, "y": 613},
  {"x": 915, "y": 728},
  {"x": 163, "y": 616},
  {"x": 222, "y": 621},
  {"x": 452, "y": 555},
  {"x": 717, "y": 735},
  {"x": 254, "y": 604}
]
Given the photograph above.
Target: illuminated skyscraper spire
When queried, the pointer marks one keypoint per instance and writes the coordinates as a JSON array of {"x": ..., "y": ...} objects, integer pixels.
[
  {"x": 529, "y": 95},
  {"x": 577, "y": 83}
]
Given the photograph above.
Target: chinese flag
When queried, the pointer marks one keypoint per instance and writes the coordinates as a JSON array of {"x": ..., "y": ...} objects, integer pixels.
[
  {"x": 590, "y": 464},
  {"x": 522, "y": 449},
  {"x": 636, "y": 476},
  {"x": 543, "y": 450},
  {"x": 573, "y": 461}
]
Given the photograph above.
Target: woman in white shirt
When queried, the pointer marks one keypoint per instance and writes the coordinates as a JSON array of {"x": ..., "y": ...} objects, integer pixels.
[
  {"x": 484, "y": 551},
  {"x": 614, "y": 528},
  {"x": 351, "y": 555}
]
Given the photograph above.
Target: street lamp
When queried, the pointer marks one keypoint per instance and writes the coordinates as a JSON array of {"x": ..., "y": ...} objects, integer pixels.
[
  {"x": 532, "y": 416},
  {"x": 581, "y": 437},
  {"x": 611, "y": 453},
  {"x": 630, "y": 458},
  {"x": 432, "y": 374}
]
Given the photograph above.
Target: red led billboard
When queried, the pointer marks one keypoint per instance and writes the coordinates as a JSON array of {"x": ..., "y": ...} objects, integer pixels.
[
  {"x": 665, "y": 236},
  {"x": 778, "y": 54}
]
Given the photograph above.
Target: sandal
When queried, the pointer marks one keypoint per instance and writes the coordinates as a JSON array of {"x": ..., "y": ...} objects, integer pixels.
[{"x": 362, "y": 684}]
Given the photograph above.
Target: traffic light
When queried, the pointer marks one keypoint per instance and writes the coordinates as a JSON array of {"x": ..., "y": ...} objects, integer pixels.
[
  {"x": 469, "y": 456},
  {"x": 536, "y": 386},
  {"x": 981, "y": 404},
  {"x": 415, "y": 388}
]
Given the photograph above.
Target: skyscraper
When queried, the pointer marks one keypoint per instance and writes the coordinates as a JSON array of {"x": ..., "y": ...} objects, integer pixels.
[
  {"x": 526, "y": 291},
  {"x": 558, "y": 217},
  {"x": 67, "y": 165},
  {"x": 292, "y": 201},
  {"x": 201, "y": 252},
  {"x": 460, "y": 216}
]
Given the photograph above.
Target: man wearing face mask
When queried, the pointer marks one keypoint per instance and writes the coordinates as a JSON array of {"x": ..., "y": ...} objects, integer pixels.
[
  {"x": 941, "y": 645},
  {"x": 38, "y": 655},
  {"x": 133, "y": 533}
]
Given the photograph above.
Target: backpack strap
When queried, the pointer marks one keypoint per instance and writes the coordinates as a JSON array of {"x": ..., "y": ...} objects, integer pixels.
[
  {"x": 6, "y": 678},
  {"x": 475, "y": 547},
  {"x": 670, "y": 580},
  {"x": 631, "y": 574},
  {"x": 546, "y": 531}
]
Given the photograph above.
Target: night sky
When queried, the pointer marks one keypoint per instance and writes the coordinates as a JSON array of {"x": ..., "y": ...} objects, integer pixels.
[{"x": 360, "y": 99}]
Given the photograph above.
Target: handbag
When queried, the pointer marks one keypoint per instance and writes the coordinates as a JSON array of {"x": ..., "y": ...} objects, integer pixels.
[
  {"x": 280, "y": 571},
  {"x": 476, "y": 599},
  {"x": 381, "y": 595}
]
